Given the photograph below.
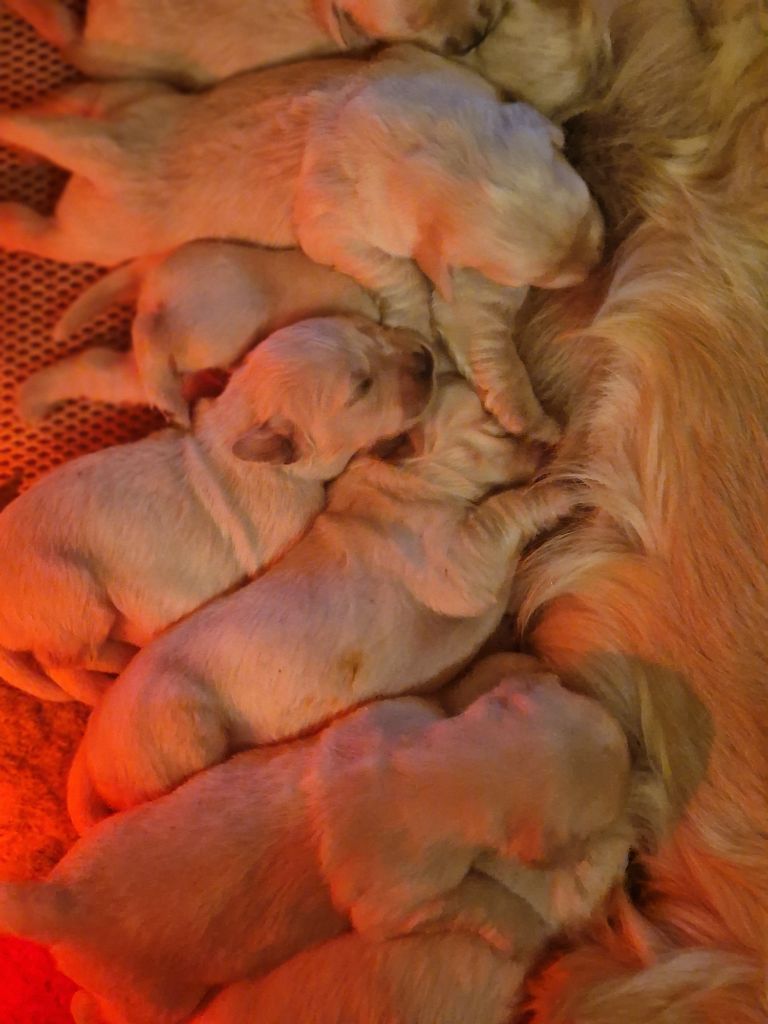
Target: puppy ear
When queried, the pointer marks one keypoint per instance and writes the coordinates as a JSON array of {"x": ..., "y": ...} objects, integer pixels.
[
  {"x": 347, "y": 33},
  {"x": 265, "y": 442},
  {"x": 430, "y": 260}
]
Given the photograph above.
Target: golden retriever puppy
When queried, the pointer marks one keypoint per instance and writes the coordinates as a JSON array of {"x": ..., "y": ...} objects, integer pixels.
[
  {"x": 197, "y": 42},
  {"x": 553, "y": 54},
  {"x": 508, "y": 838},
  {"x": 395, "y": 587},
  {"x": 367, "y": 166},
  {"x": 203, "y": 306},
  {"x": 108, "y": 550}
]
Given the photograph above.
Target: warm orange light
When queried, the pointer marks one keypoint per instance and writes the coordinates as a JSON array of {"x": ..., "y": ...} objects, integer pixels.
[{"x": 31, "y": 989}]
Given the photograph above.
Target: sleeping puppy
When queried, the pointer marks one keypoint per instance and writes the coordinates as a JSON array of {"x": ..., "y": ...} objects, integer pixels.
[
  {"x": 279, "y": 849},
  {"x": 197, "y": 42},
  {"x": 394, "y": 587},
  {"x": 551, "y": 53},
  {"x": 200, "y": 307},
  {"x": 366, "y": 165},
  {"x": 108, "y": 550}
]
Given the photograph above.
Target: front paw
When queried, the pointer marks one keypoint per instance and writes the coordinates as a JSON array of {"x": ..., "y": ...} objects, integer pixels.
[
  {"x": 33, "y": 401},
  {"x": 519, "y": 416}
]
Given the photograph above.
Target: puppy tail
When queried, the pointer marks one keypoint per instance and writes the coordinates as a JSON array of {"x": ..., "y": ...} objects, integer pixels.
[
  {"x": 84, "y": 804},
  {"x": 34, "y": 910},
  {"x": 120, "y": 286},
  {"x": 52, "y": 20},
  {"x": 22, "y": 672}
]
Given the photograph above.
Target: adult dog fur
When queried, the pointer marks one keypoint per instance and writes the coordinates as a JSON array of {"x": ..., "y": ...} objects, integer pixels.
[
  {"x": 197, "y": 42},
  {"x": 106, "y": 551},
  {"x": 394, "y": 588},
  {"x": 366, "y": 166},
  {"x": 199, "y": 308},
  {"x": 662, "y": 596},
  {"x": 262, "y": 857}
]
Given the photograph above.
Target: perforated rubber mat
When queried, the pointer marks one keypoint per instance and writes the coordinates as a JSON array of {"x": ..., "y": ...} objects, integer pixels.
[{"x": 33, "y": 292}]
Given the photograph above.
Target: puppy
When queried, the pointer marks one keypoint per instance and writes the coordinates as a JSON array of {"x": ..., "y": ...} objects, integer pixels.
[
  {"x": 366, "y": 166},
  {"x": 551, "y": 53},
  {"x": 196, "y": 42},
  {"x": 393, "y": 589},
  {"x": 106, "y": 551},
  {"x": 507, "y": 838},
  {"x": 201, "y": 307}
]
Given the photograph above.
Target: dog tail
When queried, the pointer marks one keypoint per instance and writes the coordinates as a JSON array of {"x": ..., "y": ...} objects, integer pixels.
[
  {"x": 51, "y": 19},
  {"x": 21, "y": 671},
  {"x": 84, "y": 804},
  {"x": 39, "y": 911},
  {"x": 120, "y": 286}
]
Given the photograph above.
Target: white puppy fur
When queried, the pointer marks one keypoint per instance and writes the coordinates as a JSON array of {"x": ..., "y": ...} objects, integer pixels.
[
  {"x": 202, "y": 306},
  {"x": 106, "y": 551},
  {"x": 395, "y": 586},
  {"x": 367, "y": 166},
  {"x": 196, "y": 42},
  {"x": 283, "y": 848}
]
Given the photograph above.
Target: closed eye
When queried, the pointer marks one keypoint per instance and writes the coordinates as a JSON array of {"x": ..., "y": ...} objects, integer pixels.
[{"x": 361, "y": 390}]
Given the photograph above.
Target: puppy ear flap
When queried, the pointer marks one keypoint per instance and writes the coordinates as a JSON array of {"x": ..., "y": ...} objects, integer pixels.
[
  {"x": 265, "y": 442},
  {"x": 346, "y": 32},
  {"x": 430, "y": 260}
]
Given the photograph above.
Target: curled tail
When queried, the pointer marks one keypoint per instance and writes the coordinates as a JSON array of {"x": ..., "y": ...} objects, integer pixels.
[
  {"x": 51, "y": 19},
  {"x": 22, "y": 672},
  {"x": 86, "y": 808},
  {"x": 39, "y": 911},
  {"x": 119, "y": 286}
]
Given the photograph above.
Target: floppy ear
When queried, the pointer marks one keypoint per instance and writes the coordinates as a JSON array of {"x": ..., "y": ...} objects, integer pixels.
[
  {"x": 346, "y": 31},
  {"x": 265, "y": 442},
  {"x": 430, "y": 259}
]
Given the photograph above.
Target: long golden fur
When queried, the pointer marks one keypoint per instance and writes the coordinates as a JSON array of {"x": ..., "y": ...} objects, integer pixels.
[{"x": 658, "y": 602}]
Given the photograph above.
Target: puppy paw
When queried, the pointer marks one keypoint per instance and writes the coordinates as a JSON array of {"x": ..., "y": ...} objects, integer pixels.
[
  {"x": 522, "y": 417},
  {"x": 33, "y": 402}
]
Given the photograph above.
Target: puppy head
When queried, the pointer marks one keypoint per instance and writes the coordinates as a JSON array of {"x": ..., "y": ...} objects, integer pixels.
[
  {"x": 317, "y": 392},
  {"x": 452, "y": 26},
  {"x": 457, "y": 435},
  {"x": 551, "y": 53},
  {"x": 519, "y": 214}
]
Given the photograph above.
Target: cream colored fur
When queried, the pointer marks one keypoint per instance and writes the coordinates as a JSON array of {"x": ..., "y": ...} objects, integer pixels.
[
  {"x": 284, "y": 848},
  {"x": 658, "y": 606},
  {"x": 202, "y": 306},
  {"x": 197, "y": 42},
  {"x": 394, "y": 588},
  {"x": 367, "y": 166},
  {"x": 105, "y": 552}
]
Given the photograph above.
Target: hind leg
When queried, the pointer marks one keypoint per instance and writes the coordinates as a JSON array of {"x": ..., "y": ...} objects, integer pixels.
[
  {"x": 97, "y": 374},
  {"x": 24, "y": 230},
  {"x": 51, "y": 19}
]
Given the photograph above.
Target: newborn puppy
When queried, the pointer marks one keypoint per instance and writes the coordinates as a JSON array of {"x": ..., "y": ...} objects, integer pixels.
[
  {"x": 550, "y": 53},
  {"x": 200, "y": 307},
  {"x": 108, "y": 550},
  {"x": 366, "y": 165},
  {"x": 394, "y": 588},
  {"x": 379, "y": 822},
  {"x": 197, "y": 42}
]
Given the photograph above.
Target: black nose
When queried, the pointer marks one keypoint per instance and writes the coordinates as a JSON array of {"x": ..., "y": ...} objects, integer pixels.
[{"x": 423, "y": 364}]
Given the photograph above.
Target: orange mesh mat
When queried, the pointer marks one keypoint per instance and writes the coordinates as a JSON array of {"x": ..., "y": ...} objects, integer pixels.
[{"x": 37, "y": 741}]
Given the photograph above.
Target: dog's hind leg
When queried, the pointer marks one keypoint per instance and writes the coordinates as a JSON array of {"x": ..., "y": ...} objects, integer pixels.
[
  {"x": 52, "y": 20},
  {"x": 97, "y": 374},
  {"x": 24, "y": 230},
  {"x": 79, "y": 144}
]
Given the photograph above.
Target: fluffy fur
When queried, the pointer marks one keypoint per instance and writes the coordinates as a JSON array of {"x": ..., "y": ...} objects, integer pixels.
[
  {"x": 106, "y": 551},
  {"x": 367, "y": 166},
  {"x": 197, "y": 42},
  {"x": 401, "y": 550},
  {"x": 200, "y": 307},
  {"x": 265, "y": 856},
  {"x": 657, "y": 606}
]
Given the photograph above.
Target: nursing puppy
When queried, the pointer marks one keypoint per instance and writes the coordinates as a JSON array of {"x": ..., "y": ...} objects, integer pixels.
[
  {"x": 367, "y": 166},
  {"x": 108, "y": 550},
  {"x": 197, "y": 42},
  {"x": 393, "y": 589},
  {"x": 282, "y": 848},
  {"x": 200, "y": 307}
]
